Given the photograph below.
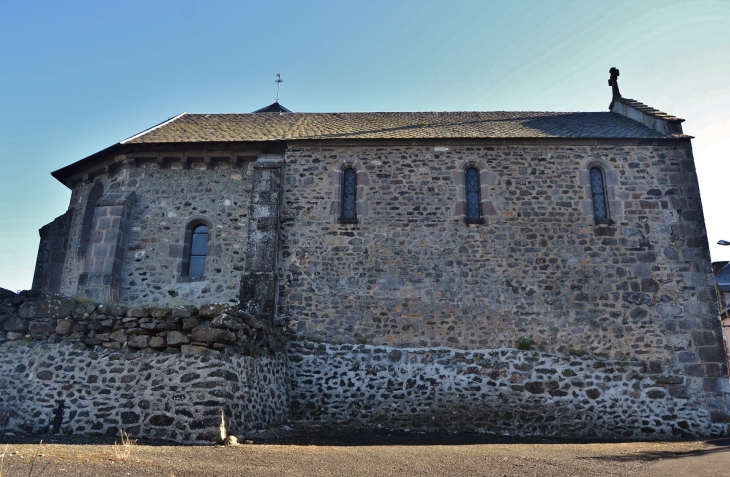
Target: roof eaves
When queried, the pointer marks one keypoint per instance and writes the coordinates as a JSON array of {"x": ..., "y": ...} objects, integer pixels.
[{"x": 164, "y": 123}]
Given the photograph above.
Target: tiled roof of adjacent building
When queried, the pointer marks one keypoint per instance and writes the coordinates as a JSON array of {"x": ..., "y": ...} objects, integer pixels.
[
  {"x": 188, "y": 128},
  {"x": 723, "y": 278}
]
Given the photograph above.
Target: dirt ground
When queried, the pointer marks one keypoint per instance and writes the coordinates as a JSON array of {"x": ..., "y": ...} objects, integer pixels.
[{"x": 334, "y": 453}]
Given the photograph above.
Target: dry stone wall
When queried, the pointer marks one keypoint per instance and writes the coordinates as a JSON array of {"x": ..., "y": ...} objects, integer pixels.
[
  {"x": 498, "y": 391},
  {"x": 212, "y": 329}
]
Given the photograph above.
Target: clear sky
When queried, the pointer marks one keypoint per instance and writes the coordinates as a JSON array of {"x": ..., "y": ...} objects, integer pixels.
[{"x": 78, "y": 76}]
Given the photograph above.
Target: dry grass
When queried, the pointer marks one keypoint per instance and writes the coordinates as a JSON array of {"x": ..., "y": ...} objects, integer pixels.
[
  {"x": 2, "y": 459},
  {"x": 123, "y": 451},
  {"x": 33, "y": 461},
  {"x": 525, "y": 460}
]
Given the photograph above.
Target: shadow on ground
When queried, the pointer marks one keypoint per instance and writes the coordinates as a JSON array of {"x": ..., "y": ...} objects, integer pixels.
[{"x": 715, "y": 447}]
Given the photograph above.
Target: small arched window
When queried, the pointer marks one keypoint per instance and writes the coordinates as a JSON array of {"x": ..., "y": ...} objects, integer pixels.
[
  {"x": 598, "y": 195},
  {"x": 198, "y": 251},
  {"x": 97, "y": 191},
  {"x": 349, "y": 195},
  {"x": 473, "y": 199}
]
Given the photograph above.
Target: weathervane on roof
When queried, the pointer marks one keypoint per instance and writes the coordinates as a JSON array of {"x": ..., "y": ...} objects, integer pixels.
[
  {"x": 278, "y": 82},
  {"x": 613, "y": 83}
]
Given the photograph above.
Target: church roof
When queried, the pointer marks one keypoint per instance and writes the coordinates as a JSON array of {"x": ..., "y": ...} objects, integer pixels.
[
  {"x": 412, "y": 126},
  {"x": 189, "y": 128}
]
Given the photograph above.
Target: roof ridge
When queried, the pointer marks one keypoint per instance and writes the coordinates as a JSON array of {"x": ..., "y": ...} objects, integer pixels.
[
  {"x": 163, "y": 123},
  {"x": 440, "y": 113}
]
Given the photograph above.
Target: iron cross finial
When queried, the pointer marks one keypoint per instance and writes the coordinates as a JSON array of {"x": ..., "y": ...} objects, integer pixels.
[
  {"x": 613, "y": 83},
  {"x": 278, "y": 82}
]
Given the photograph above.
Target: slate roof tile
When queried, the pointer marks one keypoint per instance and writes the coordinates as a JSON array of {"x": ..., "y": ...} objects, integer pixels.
[{"x": 425, "y": 125}]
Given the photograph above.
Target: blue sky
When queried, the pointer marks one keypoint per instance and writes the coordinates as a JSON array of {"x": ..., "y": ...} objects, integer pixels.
[{"x": 77, "y": 76}]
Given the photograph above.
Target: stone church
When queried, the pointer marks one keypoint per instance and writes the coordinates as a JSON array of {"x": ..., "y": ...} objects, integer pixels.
[{"x": 538, "y": 272}]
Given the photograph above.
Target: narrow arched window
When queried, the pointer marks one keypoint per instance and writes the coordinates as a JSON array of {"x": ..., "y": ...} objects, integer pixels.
[
  {"x": 598, "y": 193},
  {"x": 97, "y": 191},
  {"x": 349, "y": 194},
  {"x": 473, "y": 199},
  {"x": 198, "y": 251}
]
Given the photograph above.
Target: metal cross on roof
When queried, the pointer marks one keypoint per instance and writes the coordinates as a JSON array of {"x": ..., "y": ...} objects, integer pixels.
[{"x": 278, "y": 82}]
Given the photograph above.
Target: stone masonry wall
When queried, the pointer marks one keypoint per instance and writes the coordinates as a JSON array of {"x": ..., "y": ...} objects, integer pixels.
[
  {"x": 61, "y": 388},
  {"x": 497, "y": 391},
  {"x": 170, "y": 192},
  {"x": 413, "y": 274},
  {"x": 52, "y": 252}
]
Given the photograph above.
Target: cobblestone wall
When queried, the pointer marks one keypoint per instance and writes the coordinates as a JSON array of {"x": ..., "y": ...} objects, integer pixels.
[
  {"x": 413, "y": 274},
  {"x": 500, "y": 391},
  {"x": 153, "y": 372},
  {"x": 60, "y": 388}
]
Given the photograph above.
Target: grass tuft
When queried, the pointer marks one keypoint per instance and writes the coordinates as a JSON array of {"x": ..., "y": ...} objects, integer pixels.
[
  {"x": 524, "y": 343},
  {"x": 123, "y": 451},
  {"x": 35, "y": 459}
]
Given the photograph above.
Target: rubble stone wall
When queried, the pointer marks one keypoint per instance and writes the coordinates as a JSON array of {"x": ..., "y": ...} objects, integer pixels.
[
  {"x": 497, "y": 391},
  {"x": 62, "y": 388},
  {"x": 171, "y": 373}
]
